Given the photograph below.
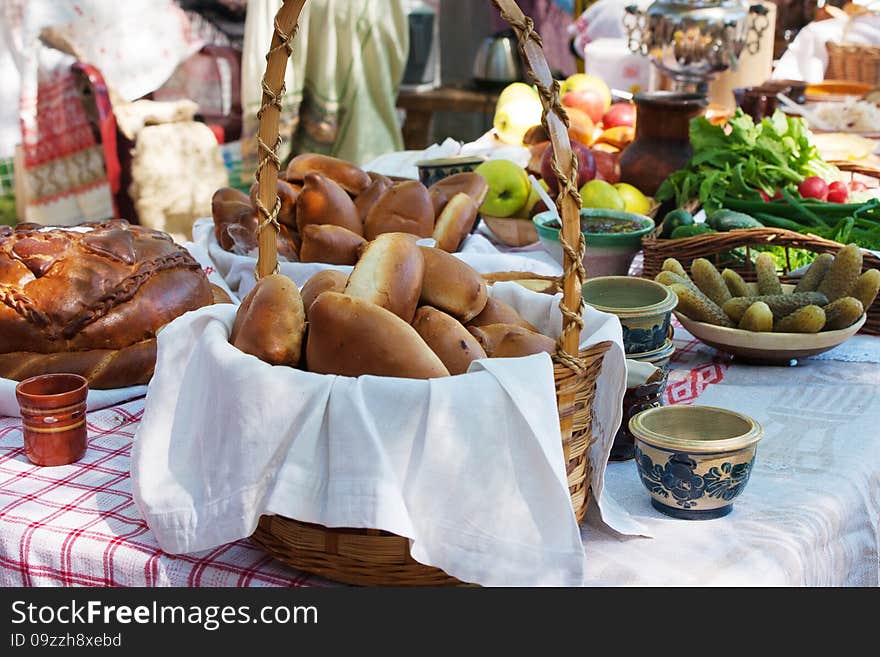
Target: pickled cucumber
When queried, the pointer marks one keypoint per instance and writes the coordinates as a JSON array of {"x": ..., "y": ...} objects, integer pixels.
[
  {"x": 735, "y": 283},
  {"x": 808, "y": 319},
  {"x": 709, "y": 281},
  {"x": 843, "y": 273},
  {"x": 842, "y": 313},
  {"x": 768, "y": 281},
  {"x": 673, "y": 265},
  {"x": 780, "y": 304},
  {"x": 699, "y": 307},
  {"x": 667, "y": 277},
  {"x": 815, "y": 273},
  {"x": 866, "y": 288},
  {"x": 757, "y": 317}
]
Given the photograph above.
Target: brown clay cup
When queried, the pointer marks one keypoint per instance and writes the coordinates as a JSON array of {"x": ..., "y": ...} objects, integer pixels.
[{"x": 53, "y": 415}]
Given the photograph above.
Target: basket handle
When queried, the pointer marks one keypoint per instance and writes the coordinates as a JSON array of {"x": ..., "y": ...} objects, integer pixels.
[{"x": 553, "y": 118}]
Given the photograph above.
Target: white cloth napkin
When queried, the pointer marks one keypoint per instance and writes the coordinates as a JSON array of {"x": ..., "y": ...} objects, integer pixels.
[
  {"x": 103, "y": 398},
  {"x": 469, "y": 467},
  {"x": 477, "y": 251}
]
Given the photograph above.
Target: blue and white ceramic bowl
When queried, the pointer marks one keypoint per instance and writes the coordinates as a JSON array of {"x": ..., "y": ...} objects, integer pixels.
[
  {"x": 431, "y": 171},
  {"x": 643, "y": 306},
  {"x": 658, "y": 357},
  {"x": 694, "y": 460}
]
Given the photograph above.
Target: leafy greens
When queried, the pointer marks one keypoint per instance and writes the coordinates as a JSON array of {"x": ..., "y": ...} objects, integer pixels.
[{"x": 741, "y": 158}]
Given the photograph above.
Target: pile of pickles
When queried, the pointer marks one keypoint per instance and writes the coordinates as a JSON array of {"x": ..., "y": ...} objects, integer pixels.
[{"x": 832, "y": 294}]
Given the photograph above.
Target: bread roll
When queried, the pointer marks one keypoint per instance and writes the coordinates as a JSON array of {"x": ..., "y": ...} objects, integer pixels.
[
  {"x": 288, "y": 194},
  {"x": 331, "y": 244},
  {"x": 455, "y": 222},
  {"x": 322, "y": 201},
  {"x": 510, "y": 341},
  {"x": 402, "y": 208},
  {"x": 367, "y": 199},
  {"x": 352, "y": 337},
  {"x": 326, "y": 280},
  {"x": 378, "y": 176},
  {"x": 270, "y": 322},
  {"x": 498, "y": 312},
  {"x": 219, "y": 295},
  {"x": 389, "y": 273},
  {"x": 349, "y": 176},
  {"x": 229, "y": 205},
  {"x": 451, "y": 285},
  {"x": 468, "y": 182},
  {"x": 447, "y": 338}
]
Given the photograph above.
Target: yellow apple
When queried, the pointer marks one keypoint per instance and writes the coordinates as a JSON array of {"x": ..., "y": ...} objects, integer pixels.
[{"x": 518, "y": 109}]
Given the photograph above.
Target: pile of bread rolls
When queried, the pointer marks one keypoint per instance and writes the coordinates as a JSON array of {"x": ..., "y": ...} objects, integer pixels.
[
  {"x": 330, "y": 208},
  {"x": 405, "y": 310}
]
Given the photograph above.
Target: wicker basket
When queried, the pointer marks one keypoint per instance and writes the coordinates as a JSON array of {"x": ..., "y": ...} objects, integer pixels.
[
  {"x": 713, "y": 246},
  {"x": 853, "y": 62},
  {"x": 372, "y": 557}
]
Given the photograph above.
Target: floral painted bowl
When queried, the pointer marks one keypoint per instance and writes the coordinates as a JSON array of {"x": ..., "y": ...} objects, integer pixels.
[
  {"x": 643, "y": 306},
  {"x": 694, "y": 460}
]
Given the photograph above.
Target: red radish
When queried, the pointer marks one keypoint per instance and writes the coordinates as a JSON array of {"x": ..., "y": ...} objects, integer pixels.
[
  {"x": 857, "y": 186},
  {"x": 814, "y": 187},
  {"x": 764, "y": 195},
  {"x": 837, "y": 192},
  {"x": 778, "y": 195}
]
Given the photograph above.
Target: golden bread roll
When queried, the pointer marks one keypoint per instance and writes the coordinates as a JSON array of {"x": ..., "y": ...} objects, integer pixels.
[
  {"x": 389, "y": 273},
  {"x": 352, "y": 337},
  {"x": 367, "y": 198},
  {"x": 511, "y": 341},
  {"x": 402, "y": 208},
  {"x": 219, "y": 295},
  {"x": 349, "y": 176},
  {"x": 288, "y": 194},
  {"x": 378, "y": 176},
  {"x": 326, "y": 280},
  {"x": 331, "y": 244},
  {"x": 322, "y": 201},
  {"x": 270, "y": 322},
  {"x": 455, "y": 222},
  {"x": 229, "y": 205},
  {"x": 497, "y": 312},
  {"x": 467, "y": 182},
  {"x": 451, "y": 285},
  {"x": 447, "y": 338}
]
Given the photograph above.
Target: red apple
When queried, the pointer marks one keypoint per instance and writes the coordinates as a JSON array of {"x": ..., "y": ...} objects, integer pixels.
[
  {"x": 619, "y": 114},
  {"x": 586, "y": 166},
  {"x": 587, "y": 99},
  {"x": 607, "y": 166}
]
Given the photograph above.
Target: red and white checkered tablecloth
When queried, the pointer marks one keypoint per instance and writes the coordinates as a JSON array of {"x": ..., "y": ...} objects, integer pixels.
[{"x": 76, "y": 525}]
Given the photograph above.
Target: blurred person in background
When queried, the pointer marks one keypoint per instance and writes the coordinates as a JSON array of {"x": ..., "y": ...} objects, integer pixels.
[{"x": 341, "y": 82}]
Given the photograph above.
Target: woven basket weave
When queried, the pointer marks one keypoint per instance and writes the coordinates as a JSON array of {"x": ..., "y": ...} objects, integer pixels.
[
  {"x": 372, "y": 557},
  {"x": 853, "y": 62}
]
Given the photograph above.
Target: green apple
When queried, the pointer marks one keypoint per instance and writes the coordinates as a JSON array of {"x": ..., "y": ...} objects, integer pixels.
[
  {"x": 518, "y": 108},
  {"x": 534, "y": 197},
  {"x": 509, "y": 187}
]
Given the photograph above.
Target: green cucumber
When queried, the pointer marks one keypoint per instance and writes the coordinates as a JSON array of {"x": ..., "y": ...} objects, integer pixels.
[
  {"x": 673, "y": 220},
  {"x": 691, "y": 230},
  {"x": 724, "y": 220}
]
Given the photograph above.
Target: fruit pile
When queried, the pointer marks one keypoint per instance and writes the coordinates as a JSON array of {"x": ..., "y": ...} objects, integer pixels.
[
  {"x": 598, "y": 130},
  {"x": 831, "y": 295}
]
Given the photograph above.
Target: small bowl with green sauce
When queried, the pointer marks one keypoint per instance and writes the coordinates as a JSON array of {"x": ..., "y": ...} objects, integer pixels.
[{"x": 611, "y": 238}]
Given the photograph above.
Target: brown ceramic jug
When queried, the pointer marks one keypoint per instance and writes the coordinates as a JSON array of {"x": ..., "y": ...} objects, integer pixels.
[{"x": 662, "y": 144}]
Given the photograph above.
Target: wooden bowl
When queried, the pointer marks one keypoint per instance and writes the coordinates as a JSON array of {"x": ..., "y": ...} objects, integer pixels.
[{"x": 512, "y": 231}]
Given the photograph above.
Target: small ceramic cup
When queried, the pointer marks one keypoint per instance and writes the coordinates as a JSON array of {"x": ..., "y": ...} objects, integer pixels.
[
  {"x": 431, "y": 171},
  {"x": 636, "y": 400},
  {"x": 657, "y": 357},
  {"x": 53, "y": 415},
  {"x": 694, "y": 460},
  {"x": 643, "y": 306}
]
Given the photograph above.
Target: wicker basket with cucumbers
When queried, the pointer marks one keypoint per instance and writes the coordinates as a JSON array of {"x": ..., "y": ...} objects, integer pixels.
[{"x": 768, "y": 321}]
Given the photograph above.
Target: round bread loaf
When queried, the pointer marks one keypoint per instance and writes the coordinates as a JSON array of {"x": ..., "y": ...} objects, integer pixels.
[
  {"x": 498, "y": 312},
  {"x": 330, "y": 244},
  {"x": 322, "y": 201},
  {"x": 271, "y": 321},
  {"x": 349, "y": 176},
  {"x": 467, "y": 182},
  {"x": 511, "y": 341},
  {"x": 455, "y": 222},
  {"x": 92, "y": 287},
  {"x": 367, "y": 198},
  {"x": 326, "y": 280},
  {"x": 451, "y": 285},
  {"x": 405, "y": 207},
  {"x": 389, "y": 273},
  {"x": 352, "y": 337},
  {"x": 287, "y": 194},
  {"x": 447, "y": 338}
]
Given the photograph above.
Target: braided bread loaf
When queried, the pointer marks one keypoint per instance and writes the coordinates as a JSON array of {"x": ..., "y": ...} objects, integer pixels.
[{"x": 89, "y": 299}]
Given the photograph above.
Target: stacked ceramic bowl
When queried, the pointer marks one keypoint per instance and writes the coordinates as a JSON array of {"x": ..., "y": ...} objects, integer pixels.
[{"x": 644, "y": 308}]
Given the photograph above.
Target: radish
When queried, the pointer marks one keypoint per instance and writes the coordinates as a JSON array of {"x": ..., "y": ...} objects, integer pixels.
[
  {"x": 814, "y": 187},
  {"x": 837, "y": 192},
  {"x": 857, "y": 186}
]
